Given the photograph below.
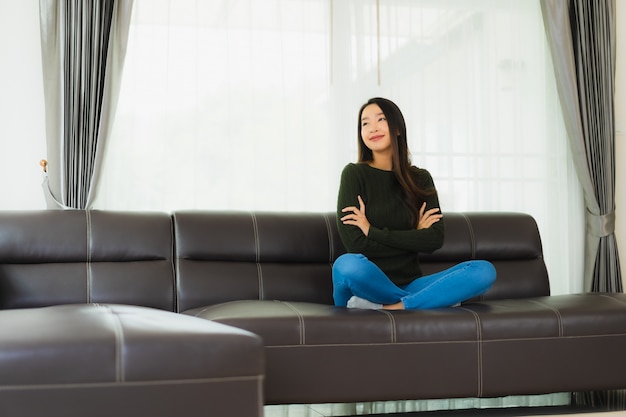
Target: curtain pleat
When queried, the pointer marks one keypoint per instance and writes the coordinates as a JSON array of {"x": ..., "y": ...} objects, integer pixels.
[
  {"x": 83, "y": 47},
  {"x": 581, "y": 34},
  {"x": 593, "y": 23},
  {"x": 86, "y": 49}
]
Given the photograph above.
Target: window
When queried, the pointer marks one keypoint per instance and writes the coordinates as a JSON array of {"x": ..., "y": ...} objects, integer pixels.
[{"x": 252, "y": 105}]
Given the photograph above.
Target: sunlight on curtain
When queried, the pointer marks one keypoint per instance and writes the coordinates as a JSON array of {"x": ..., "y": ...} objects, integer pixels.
[{"x": 252, "y": 105}]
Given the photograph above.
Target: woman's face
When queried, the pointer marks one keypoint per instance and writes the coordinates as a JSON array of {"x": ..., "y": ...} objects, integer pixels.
[{"x": 374, "y": 129}]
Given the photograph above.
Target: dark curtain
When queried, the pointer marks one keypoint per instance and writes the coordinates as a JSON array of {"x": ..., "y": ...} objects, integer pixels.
[
  {"x": 83, "y": 48},
  {"x": 581, "y": 34},
  {"x": 582, "y": 38}
]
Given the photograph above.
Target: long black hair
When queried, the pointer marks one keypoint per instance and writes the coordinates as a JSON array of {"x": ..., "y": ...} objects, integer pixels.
[{"x": 402, "y": 167}]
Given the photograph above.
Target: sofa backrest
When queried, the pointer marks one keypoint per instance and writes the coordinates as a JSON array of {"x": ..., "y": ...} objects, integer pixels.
[
  {"x": 511, "y": 241},
  {"x": 225, "y": 256},
  {"x": 193, "y": 259},
  {"x": 76, "y": 256}
]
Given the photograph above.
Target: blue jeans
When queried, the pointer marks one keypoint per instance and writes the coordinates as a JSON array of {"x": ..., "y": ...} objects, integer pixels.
[{"x": 354, "y": 274}]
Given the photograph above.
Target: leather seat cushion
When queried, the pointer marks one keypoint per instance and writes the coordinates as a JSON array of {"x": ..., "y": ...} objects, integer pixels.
[
  {"x": 282, "y": 323},
  {"x": 89, "y": 343}
]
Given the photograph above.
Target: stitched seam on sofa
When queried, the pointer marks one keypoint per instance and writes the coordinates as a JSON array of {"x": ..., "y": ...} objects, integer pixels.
[
  {"x": 392, "y": 324},
  {"x": 199, "y": 313},
  {"x": 612, "y": 298},
  {"x": 257, "y": 248},
  {"x": 174, "y": 265},
  {"x": 88, "y": 243},
  {"x": 300, "y": 319},
  {"x": 255, "y": 378},
  {"x": 353, "y": 345},
  {"x": 213, "y": 307},
  {"x": 470, "y": 228},
  {"x": 177, "y": 282},
  {"x": 591, "y": 336},
  {"x": 119, "y": 347},
  {"x": 479, "y": 340},
  {"x": 472, "y": 236},
  {"x": 331, "y": 243},
  {"x": 556, "y": 312},
  {"x": 259, "y": 274},
  {"x": 256, "y": 237}
]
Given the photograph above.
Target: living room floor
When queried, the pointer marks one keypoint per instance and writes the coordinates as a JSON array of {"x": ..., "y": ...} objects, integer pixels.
[{"x": 302, "y": 410}]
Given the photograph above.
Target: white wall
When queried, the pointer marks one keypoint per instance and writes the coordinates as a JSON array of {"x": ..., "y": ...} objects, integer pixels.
[
  {"x": 22, "y": 118},
  {"x": 620, "y": 138}
]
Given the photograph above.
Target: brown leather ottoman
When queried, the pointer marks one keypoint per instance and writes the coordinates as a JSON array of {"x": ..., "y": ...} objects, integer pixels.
[{"x": 114, "y": 360}]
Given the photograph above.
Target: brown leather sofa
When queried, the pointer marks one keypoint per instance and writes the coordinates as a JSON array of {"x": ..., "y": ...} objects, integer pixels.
[
  {"x": 271, "y": 274},
  {"x": 97, "y": 293},
  {"x": 88, "y": 325}
]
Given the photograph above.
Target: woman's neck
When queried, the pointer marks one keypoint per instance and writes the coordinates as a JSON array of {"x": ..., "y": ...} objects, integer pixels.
[{"x": 382, "y": 162}]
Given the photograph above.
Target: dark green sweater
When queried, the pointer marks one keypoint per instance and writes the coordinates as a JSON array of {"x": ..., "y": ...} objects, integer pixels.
[{"x": 393, "y": 242}]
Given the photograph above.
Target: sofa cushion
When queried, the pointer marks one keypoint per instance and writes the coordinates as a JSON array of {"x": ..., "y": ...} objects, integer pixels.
[
  {"x": 103, "y": 360},
  {"x": 284, "y": 323},
  {"x": 463, "y": 351},
  {"x": 320, "y": 353},
  {"x": 510, "y": 241},
  {"x": 74, "y": 256},
  {"x": 226, "y": 256}
]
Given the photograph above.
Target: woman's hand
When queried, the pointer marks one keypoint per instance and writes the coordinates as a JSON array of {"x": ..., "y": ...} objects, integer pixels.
[
  {"x": 428, "y": 217},
  {"x": 356, "y": 217}
]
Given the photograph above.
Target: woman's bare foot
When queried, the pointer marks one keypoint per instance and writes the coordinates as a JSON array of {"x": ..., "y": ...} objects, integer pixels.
[{"x": 397, "y": 306}]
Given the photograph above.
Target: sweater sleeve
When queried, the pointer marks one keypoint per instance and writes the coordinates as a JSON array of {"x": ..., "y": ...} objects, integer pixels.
[
  {"x": 352, "y": 237},
  {"x": 383, "y": 242},
  {"x": 414, "y": 240}
]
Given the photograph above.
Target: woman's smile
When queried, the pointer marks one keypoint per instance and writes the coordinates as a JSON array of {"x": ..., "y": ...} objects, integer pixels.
[{"x": 375, "y": 129}]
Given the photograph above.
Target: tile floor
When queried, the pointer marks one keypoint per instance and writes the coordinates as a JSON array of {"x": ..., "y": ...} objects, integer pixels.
[
  {"x": 408, "y": 408},
  {"x": 351, "y": 410}
]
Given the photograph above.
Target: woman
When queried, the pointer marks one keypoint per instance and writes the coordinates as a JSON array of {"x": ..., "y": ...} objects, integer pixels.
[{"x": 381, "y": 269}]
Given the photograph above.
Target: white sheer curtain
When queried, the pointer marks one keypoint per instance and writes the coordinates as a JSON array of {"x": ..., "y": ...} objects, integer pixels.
[
  {"x": 22, "y": 114},
  {"x": 252, "y": 105}
]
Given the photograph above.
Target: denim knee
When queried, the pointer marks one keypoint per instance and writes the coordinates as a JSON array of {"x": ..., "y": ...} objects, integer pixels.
[
  {"x": 345, "y": 268},
  {"x": 347, "y": 265},
  {"x": 484, "y": 274}
]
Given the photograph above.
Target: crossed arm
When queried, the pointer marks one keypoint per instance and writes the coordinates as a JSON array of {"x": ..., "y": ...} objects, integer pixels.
[{"x": 356, "y": 217}]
